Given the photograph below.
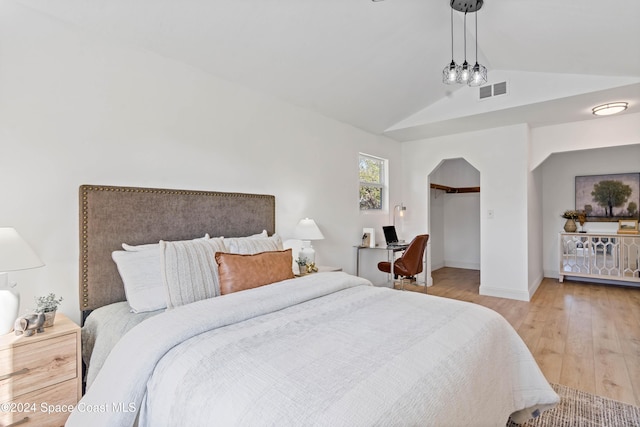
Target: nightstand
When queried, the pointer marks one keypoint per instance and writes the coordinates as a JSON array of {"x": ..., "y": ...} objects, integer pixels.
[
  {"x": 326, "y": 268},
  {"x": 40, "y": 375}
]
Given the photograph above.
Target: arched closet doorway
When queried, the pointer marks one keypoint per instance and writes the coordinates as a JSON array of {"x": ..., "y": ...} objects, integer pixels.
[{"x": 454, "y": 215}]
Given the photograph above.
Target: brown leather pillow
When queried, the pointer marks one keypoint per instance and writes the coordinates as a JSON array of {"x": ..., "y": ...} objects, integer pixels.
[{"x": 238, "y": 272}]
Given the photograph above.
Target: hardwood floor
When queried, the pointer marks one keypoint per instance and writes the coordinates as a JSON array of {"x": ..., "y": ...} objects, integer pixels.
[{"x": 583, "y": 335}]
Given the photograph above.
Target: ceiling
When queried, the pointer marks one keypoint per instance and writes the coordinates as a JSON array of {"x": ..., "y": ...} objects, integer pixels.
[{"x": 376, "y": 64}]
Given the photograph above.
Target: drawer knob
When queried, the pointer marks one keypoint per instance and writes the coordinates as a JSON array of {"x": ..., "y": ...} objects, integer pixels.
[{"x": 13, "y": 374}]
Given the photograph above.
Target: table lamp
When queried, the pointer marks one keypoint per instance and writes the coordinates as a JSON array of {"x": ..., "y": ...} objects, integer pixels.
[
  {"x": 15, "y": 254},
  {"x": 401, "y": 208},
  {"x": 307, "y": 230}
]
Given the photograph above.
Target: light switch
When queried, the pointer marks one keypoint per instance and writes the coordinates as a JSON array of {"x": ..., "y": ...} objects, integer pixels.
[{"x": 490, "y": 214}]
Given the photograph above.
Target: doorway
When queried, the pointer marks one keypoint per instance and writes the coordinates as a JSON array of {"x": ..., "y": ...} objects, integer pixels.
[{"x": 454, "y": 215}]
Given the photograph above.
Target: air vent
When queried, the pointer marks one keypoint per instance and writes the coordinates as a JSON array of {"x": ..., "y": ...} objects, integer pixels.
[
  {"x": 499, "y": 88},
  {"x": 490, "y": 91},
  {"x": 485, "y": 92}
]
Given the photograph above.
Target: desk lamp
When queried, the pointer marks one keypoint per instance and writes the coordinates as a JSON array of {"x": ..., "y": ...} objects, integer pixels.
[
  {"x": 401, "y": 208},
  {"x": 15, "y": 254}
]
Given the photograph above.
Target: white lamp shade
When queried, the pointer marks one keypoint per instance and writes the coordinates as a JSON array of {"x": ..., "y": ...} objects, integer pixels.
[
  {"x": 307, "y": 230},
  {"x": 15, "y": 253}
]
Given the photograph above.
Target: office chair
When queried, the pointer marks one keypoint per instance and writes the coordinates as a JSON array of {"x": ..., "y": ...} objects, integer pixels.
[{"x": 410, "y": 263}]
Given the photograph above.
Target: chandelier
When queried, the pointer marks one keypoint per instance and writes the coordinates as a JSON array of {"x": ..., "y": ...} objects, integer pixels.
[{"x": 463, "y": 74}]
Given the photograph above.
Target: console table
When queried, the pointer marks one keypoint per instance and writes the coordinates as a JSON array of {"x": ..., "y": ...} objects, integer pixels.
[{"x": 600, "y": 255}]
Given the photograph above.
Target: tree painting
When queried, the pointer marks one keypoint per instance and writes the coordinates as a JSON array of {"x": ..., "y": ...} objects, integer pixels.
[
  {"x": 608, "y": 197},
  {"x": 610, "y": 194}
]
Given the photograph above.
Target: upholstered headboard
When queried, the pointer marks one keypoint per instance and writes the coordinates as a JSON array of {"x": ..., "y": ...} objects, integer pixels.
[{"x": 110, "y": 216}]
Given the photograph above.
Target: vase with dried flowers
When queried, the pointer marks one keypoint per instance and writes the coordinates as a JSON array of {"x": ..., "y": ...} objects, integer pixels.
[{"x": 571, "y": 216}]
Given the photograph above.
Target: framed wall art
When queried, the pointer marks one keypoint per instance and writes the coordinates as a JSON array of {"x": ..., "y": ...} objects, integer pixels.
[
  {"x": 609, "y": 197},
  {"x": 628, "y": 226}
]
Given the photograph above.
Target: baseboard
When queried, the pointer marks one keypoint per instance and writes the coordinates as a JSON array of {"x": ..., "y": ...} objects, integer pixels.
[
  {"x": 534, "y": 285},
  {"x": 437, "y": 266},
  {"x": 552, "y": 274},
  {"x": 465, "y": 265},
  {"x": 504, "y": 293}
]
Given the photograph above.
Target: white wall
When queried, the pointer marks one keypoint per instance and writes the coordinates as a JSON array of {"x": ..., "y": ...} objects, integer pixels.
[
  {"x": 501, "y": 157},
  {"x": 535, "y": 226},
  {"x": 559, "y": 172},
  {"x": 455, "y": 218},
  {"x": 75, "y": 110},
  {"x": 605, "y": 145},
  {"x": 608, "y": 131}
]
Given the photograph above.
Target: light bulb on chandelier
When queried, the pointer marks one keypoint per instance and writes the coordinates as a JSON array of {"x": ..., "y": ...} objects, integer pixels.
[
  {"x": 479, "y": 72},
  {"x": 451, "y": 71}
]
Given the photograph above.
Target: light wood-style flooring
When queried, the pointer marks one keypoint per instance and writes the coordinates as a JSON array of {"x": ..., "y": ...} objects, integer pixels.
[{"x": 583, "y": 335}]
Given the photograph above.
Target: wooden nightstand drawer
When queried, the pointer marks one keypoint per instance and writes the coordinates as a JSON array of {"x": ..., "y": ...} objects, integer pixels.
[
  {"x": 35, "y": 365},
  {"x": 47, "y": 407}
]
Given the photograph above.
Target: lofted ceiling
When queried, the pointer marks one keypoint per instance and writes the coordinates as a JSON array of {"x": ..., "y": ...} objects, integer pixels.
[{"x": 377, "y": 65}]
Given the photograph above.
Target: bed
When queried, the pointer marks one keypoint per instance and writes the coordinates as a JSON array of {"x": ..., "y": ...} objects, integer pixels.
[{"x": 243, "y": 342}]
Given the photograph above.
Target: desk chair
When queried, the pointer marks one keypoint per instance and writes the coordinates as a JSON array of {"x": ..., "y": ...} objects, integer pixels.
[{"x": 410, "y": 263}]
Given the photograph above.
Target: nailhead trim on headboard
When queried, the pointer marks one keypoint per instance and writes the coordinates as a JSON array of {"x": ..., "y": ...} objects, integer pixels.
[{"x": 85, "y": 190}]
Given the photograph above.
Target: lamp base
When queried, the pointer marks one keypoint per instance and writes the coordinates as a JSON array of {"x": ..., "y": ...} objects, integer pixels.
[
  {"x": 307, "y": 252},
  {"x": 9, "y": 304}
]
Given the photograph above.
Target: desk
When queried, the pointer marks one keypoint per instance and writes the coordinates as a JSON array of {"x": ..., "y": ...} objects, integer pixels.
[{"x": 391, "y": 251}]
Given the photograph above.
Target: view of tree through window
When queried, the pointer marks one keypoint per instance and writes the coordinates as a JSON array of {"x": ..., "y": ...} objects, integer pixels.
[{"x": 372, "y": 176}]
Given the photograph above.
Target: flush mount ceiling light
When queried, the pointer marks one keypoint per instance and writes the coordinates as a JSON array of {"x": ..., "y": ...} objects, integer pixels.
[
  {"x": 453, "y": 73},
  {"x": 610, "y": 108}
]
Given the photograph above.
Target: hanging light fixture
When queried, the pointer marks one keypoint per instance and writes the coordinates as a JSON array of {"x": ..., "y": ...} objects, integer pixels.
[
  {"x": 479, "y": 72},
  {"x": 451, "y": 71},
  {"x": 465, "y": 74}
]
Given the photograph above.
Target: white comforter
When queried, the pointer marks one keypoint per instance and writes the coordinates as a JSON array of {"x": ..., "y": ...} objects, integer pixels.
[{"x": 326, "y": 349}]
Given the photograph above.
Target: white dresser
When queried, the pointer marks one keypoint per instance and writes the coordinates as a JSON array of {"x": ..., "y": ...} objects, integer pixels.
[{"x": 600, "y": 255}]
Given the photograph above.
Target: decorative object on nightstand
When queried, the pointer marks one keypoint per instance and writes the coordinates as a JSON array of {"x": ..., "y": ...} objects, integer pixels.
[
  {"x": 15, "y": 254},
  {"x": 302, "y": 266},
  {"x": 44, "y": 369},
  {"x": 29, "y": 324},
  {"x": 48, "y": 305},
  {"x": 307, "y": 230}
]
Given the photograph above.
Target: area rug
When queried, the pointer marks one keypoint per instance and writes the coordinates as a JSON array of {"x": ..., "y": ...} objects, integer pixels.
[{"x": 580, "y": 409}]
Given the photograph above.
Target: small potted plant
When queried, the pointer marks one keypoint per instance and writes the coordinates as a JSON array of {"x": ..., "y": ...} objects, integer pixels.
[
  {"x": 48, "y": 305},
  {"x": 302, "y": 265}
]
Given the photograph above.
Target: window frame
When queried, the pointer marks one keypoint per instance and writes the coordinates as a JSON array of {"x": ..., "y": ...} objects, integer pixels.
[{"x": 382, "y": 185}]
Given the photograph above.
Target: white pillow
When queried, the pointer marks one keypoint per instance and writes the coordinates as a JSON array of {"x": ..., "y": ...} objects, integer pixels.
[
  {"x": 253, "y": 245},
  {"x": 142, "y": 278},
  {"x": 189, "y": 270},
  {"x": 147, "y": 246},
  {"x": 263, "y": 234}
]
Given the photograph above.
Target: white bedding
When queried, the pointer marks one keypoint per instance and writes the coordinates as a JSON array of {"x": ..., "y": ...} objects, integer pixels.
[{"x": 324, "y": 349}]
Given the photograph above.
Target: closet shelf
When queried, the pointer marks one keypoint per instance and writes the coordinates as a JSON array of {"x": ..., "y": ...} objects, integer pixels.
[{"x": 454, "y": 190}]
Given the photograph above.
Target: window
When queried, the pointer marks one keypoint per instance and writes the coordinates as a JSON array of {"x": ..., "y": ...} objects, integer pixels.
[{"x": 372, "y": 182}]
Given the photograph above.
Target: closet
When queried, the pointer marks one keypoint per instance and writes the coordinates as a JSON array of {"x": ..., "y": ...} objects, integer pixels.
[{"x": 455, "y": 215}]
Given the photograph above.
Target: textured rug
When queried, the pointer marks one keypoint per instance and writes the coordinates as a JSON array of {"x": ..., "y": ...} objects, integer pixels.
[{"x": 580, "y": 409}]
